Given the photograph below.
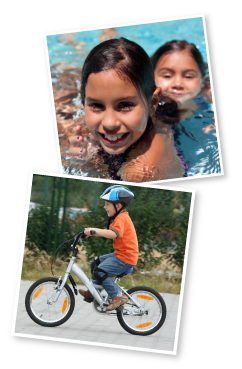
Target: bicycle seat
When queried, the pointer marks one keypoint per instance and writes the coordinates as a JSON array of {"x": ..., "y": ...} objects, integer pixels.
[
  {"x": 96, "y": 283},
  {"x": 125, "y": 273}
]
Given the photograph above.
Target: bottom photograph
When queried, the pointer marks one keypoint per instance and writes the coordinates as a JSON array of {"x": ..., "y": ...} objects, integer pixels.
[{"x": 104, "y": 263}]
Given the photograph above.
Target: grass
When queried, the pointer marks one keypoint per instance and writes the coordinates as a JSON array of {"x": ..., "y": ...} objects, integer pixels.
[{"x": 37, "y": 265}]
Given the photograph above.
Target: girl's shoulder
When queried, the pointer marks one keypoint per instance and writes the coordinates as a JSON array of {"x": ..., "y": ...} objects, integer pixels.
[{"x": 154, "y": 158}]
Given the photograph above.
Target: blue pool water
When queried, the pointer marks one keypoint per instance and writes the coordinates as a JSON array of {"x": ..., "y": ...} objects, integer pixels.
[
  {"x": 150, "y": 36},
  {"x": 197, "y": 148}
]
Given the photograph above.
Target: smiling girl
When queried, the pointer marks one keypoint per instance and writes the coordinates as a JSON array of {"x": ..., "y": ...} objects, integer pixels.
[
  {"x": 182, "y": 75},
  {"x": 119, "y": 95}
]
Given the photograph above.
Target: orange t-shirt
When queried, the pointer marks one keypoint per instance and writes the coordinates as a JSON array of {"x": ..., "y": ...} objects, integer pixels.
[{"x": 126, "y": 243}]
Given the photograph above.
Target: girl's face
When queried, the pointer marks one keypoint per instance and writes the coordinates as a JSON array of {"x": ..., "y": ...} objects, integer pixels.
[
  {"x": 115, "y": 112},
  {"x": 178, "y": 75}
]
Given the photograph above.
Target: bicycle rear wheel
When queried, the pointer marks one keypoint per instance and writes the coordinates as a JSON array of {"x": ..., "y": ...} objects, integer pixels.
[
  {"x": 41, "y": 312},
  {"x": 153, "y": 316}
]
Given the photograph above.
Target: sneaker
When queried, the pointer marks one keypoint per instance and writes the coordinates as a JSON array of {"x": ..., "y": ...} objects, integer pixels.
[
  {"x": 87, "y": 295},
  {"x": 117, "y": 301}
]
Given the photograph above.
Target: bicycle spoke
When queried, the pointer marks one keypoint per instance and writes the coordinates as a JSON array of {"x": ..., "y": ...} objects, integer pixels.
[
  {"x": 151, "y": 316},
  {"x": 43, "y": 311}
]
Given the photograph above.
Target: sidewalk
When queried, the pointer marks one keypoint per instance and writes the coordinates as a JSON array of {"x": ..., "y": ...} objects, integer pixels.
[{"x": 87, "y": 325}]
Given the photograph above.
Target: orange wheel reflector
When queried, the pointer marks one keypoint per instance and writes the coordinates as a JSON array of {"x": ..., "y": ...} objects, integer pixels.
[
  {"x": 145, "y": 297},
  {"x": 64, "y": 305},
  {"x": 38, "y": 292},
  {"x": 143, "y": 325}
]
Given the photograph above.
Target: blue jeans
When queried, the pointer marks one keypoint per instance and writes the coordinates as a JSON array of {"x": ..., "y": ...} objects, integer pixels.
[{"x": 112, "y": 266}]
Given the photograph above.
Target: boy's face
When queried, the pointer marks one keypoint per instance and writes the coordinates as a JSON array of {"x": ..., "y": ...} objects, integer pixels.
[{"x": 110, "y": 209}]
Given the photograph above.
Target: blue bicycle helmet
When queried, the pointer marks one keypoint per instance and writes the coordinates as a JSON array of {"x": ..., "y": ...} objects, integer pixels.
[{"x": 118, "y": 193}]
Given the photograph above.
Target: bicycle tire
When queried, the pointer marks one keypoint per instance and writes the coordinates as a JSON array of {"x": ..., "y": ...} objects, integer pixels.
[
  {"x": 151, "y": 320},
  {"x": 49, "y": 315}
]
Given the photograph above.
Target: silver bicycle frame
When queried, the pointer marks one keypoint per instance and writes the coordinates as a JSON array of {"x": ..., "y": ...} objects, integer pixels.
[{"x": 73, "y": 267}]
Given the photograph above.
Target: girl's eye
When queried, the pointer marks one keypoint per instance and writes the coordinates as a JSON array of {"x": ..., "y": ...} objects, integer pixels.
[
  {"x": 165, "y": 74},
  {"x": 96, "y": 107},
  {"x": 189, "y": 76},
  {"x": 125, "y": 106}
]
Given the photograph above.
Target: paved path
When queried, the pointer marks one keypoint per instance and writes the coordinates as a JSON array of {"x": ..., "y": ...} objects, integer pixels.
[{"x": 88, "y": 326}]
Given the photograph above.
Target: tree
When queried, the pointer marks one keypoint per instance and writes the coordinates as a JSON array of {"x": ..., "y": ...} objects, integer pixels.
[
  {"x": 42, "y": 235},
  {"x": 180, "y": 225}
]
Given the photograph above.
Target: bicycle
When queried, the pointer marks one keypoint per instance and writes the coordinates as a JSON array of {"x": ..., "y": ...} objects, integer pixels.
[{"x": 50, "y": 301}]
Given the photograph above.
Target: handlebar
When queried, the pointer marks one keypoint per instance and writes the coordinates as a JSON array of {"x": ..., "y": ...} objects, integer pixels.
[{"x": 81, "y": 235}]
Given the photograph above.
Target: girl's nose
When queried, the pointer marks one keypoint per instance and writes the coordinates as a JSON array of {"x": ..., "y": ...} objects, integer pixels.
[
  {"x": 177, "y": 82},
  {"x": 110, "y": 121}
]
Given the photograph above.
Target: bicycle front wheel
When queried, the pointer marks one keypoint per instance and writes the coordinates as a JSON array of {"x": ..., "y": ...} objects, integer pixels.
[
  {"x": 152, "y": 317},
  {"x": 40, "y": 311}
]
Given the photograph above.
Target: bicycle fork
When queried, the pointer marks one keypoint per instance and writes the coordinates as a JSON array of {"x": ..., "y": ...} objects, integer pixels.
[{"x": 72, "y": 267}]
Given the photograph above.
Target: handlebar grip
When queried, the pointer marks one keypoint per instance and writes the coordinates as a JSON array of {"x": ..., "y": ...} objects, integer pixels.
[{"x": 80, "y": 235}]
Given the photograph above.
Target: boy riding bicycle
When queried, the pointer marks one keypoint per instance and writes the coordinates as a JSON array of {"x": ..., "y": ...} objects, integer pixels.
[{"x": 125, "y": 243}]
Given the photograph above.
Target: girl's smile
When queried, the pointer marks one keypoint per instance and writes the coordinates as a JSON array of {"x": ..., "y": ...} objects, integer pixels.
[
  {"x": 178, "y": 75},
  {"x": 115, "y": 112}
]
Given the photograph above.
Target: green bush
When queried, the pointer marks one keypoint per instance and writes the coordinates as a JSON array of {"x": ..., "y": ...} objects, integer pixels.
[
  {"x": 180, "y": 225},
  {"x": 39, "y": 231}
]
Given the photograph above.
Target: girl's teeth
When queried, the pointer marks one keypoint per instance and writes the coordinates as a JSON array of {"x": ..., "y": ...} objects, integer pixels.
[{"x": 113, "y": 138}]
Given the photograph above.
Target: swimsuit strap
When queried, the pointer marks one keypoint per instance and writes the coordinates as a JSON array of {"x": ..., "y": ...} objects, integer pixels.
[{"x": 114, "y": 162}]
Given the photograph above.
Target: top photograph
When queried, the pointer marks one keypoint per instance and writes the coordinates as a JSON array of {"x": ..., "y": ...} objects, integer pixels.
[{"x": 135, "y": 103}]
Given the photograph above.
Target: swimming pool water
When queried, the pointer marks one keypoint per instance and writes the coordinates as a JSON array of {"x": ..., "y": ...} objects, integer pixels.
[{"x": 150, "y": 36}]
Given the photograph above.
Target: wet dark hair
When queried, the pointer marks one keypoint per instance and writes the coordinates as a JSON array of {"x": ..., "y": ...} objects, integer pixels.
[
  {"x": 174, "y": 46},
  {"x": 127, "y": 58},
  {"x": 131, "y": 62}
]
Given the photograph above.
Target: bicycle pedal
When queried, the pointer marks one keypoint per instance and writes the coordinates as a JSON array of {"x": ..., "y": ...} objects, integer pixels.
[
  {"x": 87, "y": 300},
  {"x": 120, "y": 308}
]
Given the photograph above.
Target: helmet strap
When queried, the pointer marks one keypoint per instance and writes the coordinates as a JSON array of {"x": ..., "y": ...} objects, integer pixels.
[{"x": 111, "y": 219}]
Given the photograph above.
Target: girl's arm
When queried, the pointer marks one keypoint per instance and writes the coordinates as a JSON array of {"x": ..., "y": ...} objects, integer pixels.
[
  {"x": 154, "y": 158},
  {"x": 107, "y": 233}
]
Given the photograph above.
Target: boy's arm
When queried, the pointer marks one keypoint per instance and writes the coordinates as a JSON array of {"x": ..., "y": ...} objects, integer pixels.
[{"x": 107, "y": 233}]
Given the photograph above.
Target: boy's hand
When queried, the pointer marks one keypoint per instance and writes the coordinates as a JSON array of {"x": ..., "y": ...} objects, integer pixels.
[
  {"x": 107, "y": 233},
  {"x": 87, "y": 232}
]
